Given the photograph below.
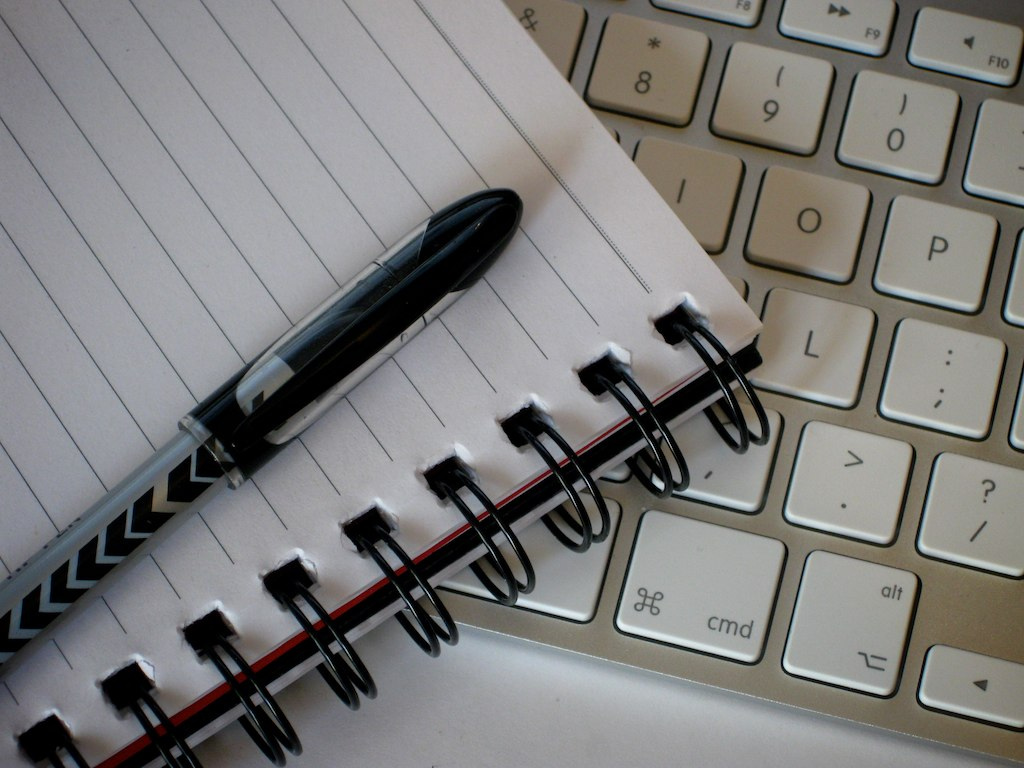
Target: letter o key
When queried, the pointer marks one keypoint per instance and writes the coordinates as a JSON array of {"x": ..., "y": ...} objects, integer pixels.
[{"x": 809, "y": 220}]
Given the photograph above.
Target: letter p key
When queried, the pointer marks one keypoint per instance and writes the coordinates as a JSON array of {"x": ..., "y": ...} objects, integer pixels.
[{"x": 939, "y": 244}]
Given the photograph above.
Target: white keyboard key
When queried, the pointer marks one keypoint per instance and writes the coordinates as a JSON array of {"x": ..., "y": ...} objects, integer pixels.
[
  {"x": 743, "y": 13},
  {"x": 864, "y": 26},
  {"x": 808, "y": 223},
  {"x": 620, "y": 473},
  {"x": 556, "y": 26},
  {"x": 973, "y": 515},
  {"x": 899, "y": 127},
  {"x": 701, "y": 586},
  {"x": 719, "y": 475},
  {"x": 568, "y": 583},
  {"x": 850, "y": 623},
  {"x": 698, "y": 184},
  {"x": 970, "y": 684},
  {"x": 648, "y": 69},
  {"x": 814, "y": 348},
  {"x": 1017, "y": 430},
  {"x": 740, "y": 286},
  {"x": 995, "y": 168},
  {"x": 967, "y": 46},
  {"x": 849, "y": 483},
  {"x": 1013, "y": 310},
  {"x": 773, "y": 97},
  {"x": 942, "y": 378},
  {"x": 936, "y": 253}
]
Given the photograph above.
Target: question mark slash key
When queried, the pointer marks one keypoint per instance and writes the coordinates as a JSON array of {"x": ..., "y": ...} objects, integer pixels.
[{"x": 973, "y": 515}]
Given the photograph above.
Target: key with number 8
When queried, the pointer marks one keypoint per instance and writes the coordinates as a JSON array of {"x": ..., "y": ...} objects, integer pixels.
[{"x": 648, "y": 69}]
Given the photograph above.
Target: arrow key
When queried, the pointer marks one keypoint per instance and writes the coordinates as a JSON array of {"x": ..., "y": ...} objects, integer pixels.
[
  {"x": 864, "y": 26},
  {"x": 972, "y": 685}
]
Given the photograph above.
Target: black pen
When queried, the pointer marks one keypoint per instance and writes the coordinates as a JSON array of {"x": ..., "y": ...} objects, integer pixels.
[{"x": 259, "y": 410}]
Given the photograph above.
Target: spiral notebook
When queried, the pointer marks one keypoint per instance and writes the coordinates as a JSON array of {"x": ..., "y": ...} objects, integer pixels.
[{"x": 184, "y": 180}]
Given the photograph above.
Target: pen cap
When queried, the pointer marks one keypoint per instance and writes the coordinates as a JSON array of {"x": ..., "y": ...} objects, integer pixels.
[{"x": 270, "y": 401}]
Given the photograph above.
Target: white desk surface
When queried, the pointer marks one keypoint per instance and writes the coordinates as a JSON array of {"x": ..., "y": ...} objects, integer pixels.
[{"x": 493, "y": 701}]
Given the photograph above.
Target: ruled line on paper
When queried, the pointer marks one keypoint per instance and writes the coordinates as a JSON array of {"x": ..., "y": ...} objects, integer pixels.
[
  {"x": 558, "y": 274},
  {"x": 299, "y": 133},
  {"x": 216, "y": 538},
  {"x": 166, "y": 578},
  {"x": 27, "y": 485},
  {"x": 60, "y": 421},
  {"x": 273, "y": 509},
  {"x": 352, "y": 106},
  {"x": 533, "y": 146},
  {"x": 61, "y": 652},
  {"x": 238, "y": 149},
  {"x": 469, "y": 357},
  {"x": 369, "y": 429},
  {"x": 111, "y": 611},
  {"x": 412, "y": 384},
  {"x": 184, "y": 176},
  {"x": 514, "y": 317},
  {"x": 114, "y": 283}
]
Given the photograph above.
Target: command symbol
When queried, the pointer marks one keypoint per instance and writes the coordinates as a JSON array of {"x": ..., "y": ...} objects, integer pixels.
[{"x": 648, "y": 601}]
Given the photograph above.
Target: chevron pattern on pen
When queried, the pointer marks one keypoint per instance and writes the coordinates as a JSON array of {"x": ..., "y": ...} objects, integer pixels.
[{"x": 177, "y": 490}]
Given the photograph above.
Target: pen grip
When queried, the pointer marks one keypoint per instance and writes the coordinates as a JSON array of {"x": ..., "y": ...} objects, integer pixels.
[{"x": 109, "y": 532}]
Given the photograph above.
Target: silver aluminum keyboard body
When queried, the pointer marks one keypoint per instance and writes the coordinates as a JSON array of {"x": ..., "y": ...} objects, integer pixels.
[{"x": 957, "y": 605}]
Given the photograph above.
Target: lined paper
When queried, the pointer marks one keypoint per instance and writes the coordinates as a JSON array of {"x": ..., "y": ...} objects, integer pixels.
[{"x": 184, "y": 180}]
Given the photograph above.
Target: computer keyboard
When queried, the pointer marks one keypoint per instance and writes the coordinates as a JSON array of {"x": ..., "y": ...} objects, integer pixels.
[{"x": 857, "y": 168}]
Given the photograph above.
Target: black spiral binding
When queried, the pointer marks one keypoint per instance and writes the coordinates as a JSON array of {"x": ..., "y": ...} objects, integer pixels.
[
  {"x": 446, "y": 479},
  {"x": 605, "y": 375},
  {"x": 372, "y": 528},
  {"x": 129, "y": 688},
  {"x": 46, "y": 740},
  {"x": 342, "y": 670},
  {"x": 525, "y": 427},
  {"x": 265, "y": 723},
  {"x": 682, "y": 324}
]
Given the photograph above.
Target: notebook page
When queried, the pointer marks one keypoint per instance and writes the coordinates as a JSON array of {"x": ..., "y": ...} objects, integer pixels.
[{"x": 183, "y": 181}]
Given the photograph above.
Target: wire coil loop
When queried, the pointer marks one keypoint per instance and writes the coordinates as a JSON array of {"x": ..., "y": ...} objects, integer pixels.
[
  {"x": 526, "y": 427},
  {"x": 446, "y": 479},
  {"x": 266, "y": 722},
  {"x": 130, "y": 688},
  {"x": 428, "y": 632},
  {"x": 342, "y": 670},
  {"x": 680, "y": 325},
  {"x": 47, "y": 739},
  {"x": 604, "y": 376}
]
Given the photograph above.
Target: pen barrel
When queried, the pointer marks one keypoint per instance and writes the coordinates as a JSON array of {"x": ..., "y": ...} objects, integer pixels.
[
  {"x": 113, "y": 529},
  {"x": 259, "y": 410},
  {"x": 253, "y": 415}
]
